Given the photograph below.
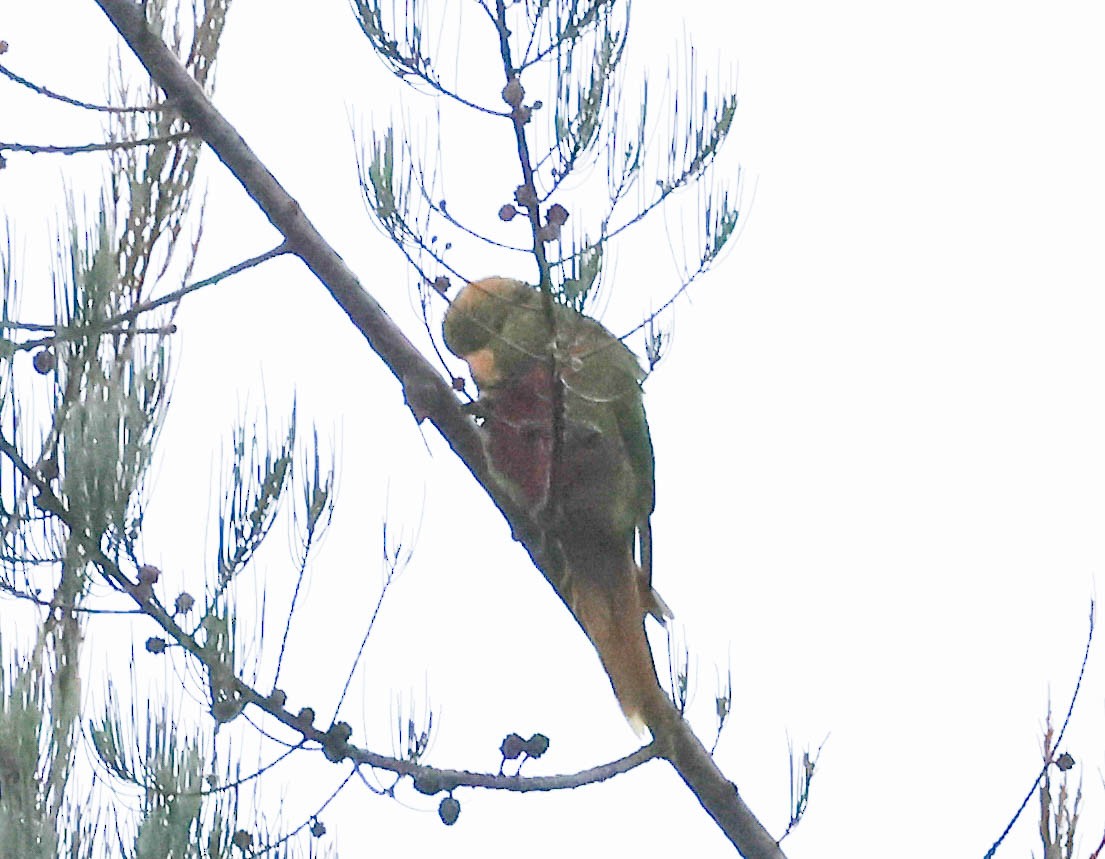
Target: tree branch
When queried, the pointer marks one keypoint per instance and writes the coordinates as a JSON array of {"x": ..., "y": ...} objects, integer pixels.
[
  {"x": 428, "y": 780},
  {"x": 109, "y": 146},
  {"x": 56, "y": 96},
  {"x": 428, "y": 395}
]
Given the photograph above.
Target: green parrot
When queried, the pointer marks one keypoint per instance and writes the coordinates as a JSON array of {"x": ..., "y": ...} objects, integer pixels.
[{"x": 565, "y": 433}]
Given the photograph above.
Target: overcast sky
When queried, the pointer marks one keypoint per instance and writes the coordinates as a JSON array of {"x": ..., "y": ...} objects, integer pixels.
[{"x": 880, "y": 433}]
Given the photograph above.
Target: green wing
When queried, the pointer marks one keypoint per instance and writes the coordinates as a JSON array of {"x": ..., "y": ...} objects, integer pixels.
[{"x": 602, "y": 380}]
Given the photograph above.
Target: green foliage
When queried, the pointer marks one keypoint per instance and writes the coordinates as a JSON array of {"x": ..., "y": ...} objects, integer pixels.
[
  {"x": 315, "y": 505},
  {"x": 110, "y": 394},
  {"x": 219, "y": 647},
  {"x": 583, "y": 98},
  {"x": 583, "y": 270},
  {"x": 72, "y": 511},
  {"x": 802, "y": 771},
  {"x": 152, "y": 186},
  {"x": 575, "y": 52},
  {"x": 387, "y": 178},
  {"x": 167, "y": 769},
  {"x": 258, "y": 477},
  {"x": 413, "y": 731},
  {"x": 408, "y": 64},
  {"x": 381, "y": 179},
  {"x": 26, "y": 824},
  {"x": 168, "y": 803}
]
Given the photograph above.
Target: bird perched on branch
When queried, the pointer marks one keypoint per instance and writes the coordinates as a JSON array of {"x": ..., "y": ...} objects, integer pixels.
[{"x": 565, "y": 434}]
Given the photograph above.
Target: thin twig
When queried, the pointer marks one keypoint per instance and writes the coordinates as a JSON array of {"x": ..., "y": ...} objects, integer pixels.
[
  {"x": 104, "y": 108},
  {"x": 270, "y": 849},
  {"x": 109, "y": 146},
  {"x": 177, "y": 295},
  {"x": 395, "y": 566},
  {"x": 1058, "y": 740}
]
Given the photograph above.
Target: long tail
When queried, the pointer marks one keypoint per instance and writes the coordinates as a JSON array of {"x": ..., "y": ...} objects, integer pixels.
[{"x": 612, "y": 611}]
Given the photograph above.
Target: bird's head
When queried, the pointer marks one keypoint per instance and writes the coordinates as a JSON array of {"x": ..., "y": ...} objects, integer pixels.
[{"x": 474, "y": 323}]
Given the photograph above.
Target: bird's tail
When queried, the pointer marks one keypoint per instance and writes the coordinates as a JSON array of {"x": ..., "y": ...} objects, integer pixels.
[{"x": 612, "y": 612}]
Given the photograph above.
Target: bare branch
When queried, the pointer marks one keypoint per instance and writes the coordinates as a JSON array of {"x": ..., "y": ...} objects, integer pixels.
[
  {"x": 1059, "y": 739},
  {"x": 427, "y": 779},
  {"x": 110, "y": 146},
  {"x": 103, "y": 108}
]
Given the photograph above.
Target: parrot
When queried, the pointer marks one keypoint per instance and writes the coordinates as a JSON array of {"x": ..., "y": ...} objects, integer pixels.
[{"x": 565, "y": 433}]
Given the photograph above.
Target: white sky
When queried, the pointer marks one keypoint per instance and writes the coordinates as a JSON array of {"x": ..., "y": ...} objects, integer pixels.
[{"x": 879, "y": 435}]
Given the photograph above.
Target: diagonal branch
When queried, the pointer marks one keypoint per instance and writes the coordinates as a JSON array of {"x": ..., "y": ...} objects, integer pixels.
[
  {"x": 427, "y": 394},
  {"x": 425, "y": 389}
]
